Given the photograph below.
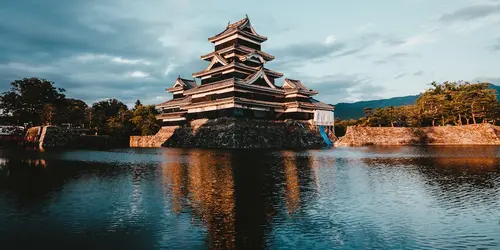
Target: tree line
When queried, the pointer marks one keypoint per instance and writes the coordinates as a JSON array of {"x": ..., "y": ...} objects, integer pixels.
[
  {"x": 443, "y": 104},
  {"x": 35, "y": 101}
]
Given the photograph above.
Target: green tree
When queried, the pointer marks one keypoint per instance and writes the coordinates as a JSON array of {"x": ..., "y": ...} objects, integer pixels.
[
  {"x": 104, "y": 110},
  {"x": 119, "y": 124},
  {"x": 27, "y": 98},
  {"x": 144, "y": 120},
  {"x": 74, "y": 111}
]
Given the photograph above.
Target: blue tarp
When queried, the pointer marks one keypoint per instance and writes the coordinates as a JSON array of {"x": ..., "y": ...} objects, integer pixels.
[{"x": 325, "y": 136}]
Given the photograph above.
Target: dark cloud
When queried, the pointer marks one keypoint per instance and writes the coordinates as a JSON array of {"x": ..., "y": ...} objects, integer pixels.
[
  {"x": 471, "y": 12},
  {"x": 92, "y": 48}
]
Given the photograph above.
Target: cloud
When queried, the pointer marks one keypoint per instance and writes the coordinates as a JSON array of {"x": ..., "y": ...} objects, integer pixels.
[
  {"x": 400, "y": 76},
  {"x": 418, "y": 73},
  {"x": 380, "y": 61},
  {"x": 337, "y": 88},
  {"x": 396, "y": 57},
  {"x": 138, "y": 74},
  {"x": 130, "y": 61},
  {"x": 330, "y": 39},
  {"x": 100, "y": 49},
  {"x": 89, "y": 57},
  {"x": 416, "y": 40},
  {"x": 496, "y": 47},
  {"x": 307, "y": 50},
  {"x": 471, "y": 12},
  {"x": 365, "y": 27},
  {"x": 298, "y": 54},
  {"x": 492, "y": 80}
]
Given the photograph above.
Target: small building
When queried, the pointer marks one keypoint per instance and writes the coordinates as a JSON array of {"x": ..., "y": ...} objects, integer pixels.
[{"x": 236, "y": 83}]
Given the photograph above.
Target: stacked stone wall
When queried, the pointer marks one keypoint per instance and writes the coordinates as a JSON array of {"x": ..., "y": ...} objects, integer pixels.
[
  {"x": 480, "y": 134},
  {"x": 235, "y": 133}
]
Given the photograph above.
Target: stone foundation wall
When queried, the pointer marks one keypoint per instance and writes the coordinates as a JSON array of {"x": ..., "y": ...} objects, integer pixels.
[
  {"x": 480, "y": 134},
  {"x": 153, "y": 141},
  {"x": 234, "y": 133}
]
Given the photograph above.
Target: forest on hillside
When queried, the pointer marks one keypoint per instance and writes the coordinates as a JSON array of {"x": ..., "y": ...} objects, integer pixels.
[{"x": 444, "y": 104}]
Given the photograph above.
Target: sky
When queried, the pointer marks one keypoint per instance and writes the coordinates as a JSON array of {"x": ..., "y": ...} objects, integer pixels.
[{"x": 347, "y": 50}]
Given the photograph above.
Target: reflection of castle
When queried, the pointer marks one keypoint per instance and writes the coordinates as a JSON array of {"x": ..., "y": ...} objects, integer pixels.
[
  {"x": 205, "y": 184},
  {"x": 236, "y": 84},
  {"x": 292, "y": 182},
  {"x": 234, "y": 197}
]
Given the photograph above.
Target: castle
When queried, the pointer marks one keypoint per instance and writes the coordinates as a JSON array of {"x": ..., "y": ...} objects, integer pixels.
[{"x": 236, "y": 83}]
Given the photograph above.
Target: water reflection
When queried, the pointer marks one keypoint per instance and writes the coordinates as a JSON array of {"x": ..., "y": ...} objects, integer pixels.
[
  {"x": 385, "y": 198},
  {"x": 212, "y": 185},
  {"x": 292, "y": 182}
]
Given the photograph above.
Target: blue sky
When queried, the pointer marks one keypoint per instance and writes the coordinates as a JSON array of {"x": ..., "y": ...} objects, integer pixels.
[{"x": 347, "y": 50}]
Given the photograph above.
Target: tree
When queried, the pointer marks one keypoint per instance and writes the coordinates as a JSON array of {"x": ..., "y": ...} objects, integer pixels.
[
  {"x": 74, "y": 111},
  {"x": 137, "y": 104},
  {"x": 47, "y": 114},
  {"x": 27, "y": 98},
  {"x": 119, "y": 124},
  {"x": 104, "y": 110},
  {"x": 144, "y": 120}
]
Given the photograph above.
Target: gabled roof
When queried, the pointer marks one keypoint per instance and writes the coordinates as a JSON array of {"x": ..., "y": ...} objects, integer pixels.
[
  {"x": 250, "y": 50},
  {"x": 183, "y": 84},
  {"x": 236, "y": 27},
  {"x": 257, "y": 75},
  {"x": 296, "y": 85},
  {"x": 216, "y": 59},
  {"x": 256, "y": 57}
]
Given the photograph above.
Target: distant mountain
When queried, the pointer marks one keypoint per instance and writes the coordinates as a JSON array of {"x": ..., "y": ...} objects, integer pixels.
[
  {"x": 497, "y": 88},
  {"x": 356, "y": 110}
]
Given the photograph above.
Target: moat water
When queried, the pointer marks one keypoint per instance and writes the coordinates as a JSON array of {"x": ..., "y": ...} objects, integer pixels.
[{"x": 345, "y": 198}]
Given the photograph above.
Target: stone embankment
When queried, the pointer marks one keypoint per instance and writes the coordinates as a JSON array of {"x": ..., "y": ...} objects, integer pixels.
[
  {"x": 48, "y": 136},
  {"x": 153, "y": 141},
  {"x": 480, "y": 134},
  {"x": 45, "y": 137},
  {"x": 234, "y": 133}
]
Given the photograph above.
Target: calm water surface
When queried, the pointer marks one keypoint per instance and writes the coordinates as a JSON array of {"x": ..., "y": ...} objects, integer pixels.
[{"x": 348, "y": 198}]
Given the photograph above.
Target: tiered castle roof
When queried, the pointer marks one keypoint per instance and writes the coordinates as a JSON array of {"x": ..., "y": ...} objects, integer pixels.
[{"x": 237, "y": 78}]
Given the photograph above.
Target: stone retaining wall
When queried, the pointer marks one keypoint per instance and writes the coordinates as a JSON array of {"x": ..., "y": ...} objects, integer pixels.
[
  {"x": 153, "y": 141},
  {"x": 480, "y": 134},
  {"x": 234, "y": 133},
  {"x": 48, "y": 136}
]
